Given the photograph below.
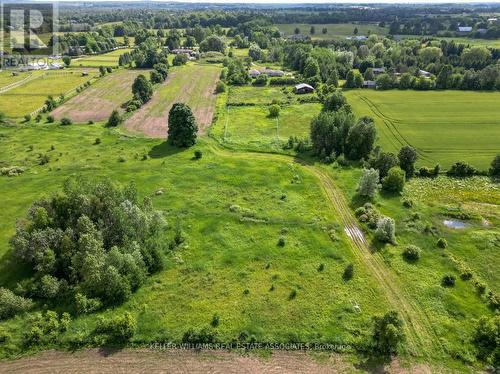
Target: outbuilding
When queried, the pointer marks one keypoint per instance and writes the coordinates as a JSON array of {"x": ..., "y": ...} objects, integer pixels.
[
  {"x": 303, "y": 88},
  {"x": 369, "y": 84}
]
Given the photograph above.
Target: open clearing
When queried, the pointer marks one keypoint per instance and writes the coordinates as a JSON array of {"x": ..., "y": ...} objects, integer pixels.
[
  {"x": 98, "y": 101},
  {"x": 334, "y": 30},
  {"x": 106, "y": 59},
  {"x": 32, "y": 94},
  {"x": 243, "y": 117},
  {"x": 193, "y": 84},
  {"x": 445, "y": 126}
]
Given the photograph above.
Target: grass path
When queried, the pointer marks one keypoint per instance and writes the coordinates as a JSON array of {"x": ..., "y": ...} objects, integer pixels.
[{"x": 422, "y": 339}]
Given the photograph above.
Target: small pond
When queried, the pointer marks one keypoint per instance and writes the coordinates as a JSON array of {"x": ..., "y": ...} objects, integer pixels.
[{"x": 455, "y": 224}]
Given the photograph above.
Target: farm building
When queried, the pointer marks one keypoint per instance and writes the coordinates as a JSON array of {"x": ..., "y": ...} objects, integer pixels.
[
  {"x": 424, "y": 73},
  {"x": 464, "y": 29},
  {"x": 303, "y": 88},
  {"x": 357, "y": 37},
  {"x": 378, "y": 71},
  {"x": 298, "y": 38},
  {"x": 254, "y": 73},
  {"x": 185, "y": 51},
  {"x": 369, "y": 84}
]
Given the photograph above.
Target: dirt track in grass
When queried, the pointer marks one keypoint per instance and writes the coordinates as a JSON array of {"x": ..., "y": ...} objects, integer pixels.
[
  {"x": 194, "y": 85},
  {"x": 98, "y": 101}
]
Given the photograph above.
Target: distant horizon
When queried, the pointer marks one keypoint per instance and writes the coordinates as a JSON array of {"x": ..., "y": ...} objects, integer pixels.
[{"x": 285, "y": 2}]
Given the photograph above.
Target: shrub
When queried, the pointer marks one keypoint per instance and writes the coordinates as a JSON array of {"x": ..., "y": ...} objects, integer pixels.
[
  {"x": 293, "y": 294},
  {"x": 465, "y": 273},
  {"x": 487, "y": 339},
  {"x": 180, "y": 59},
  {"x": 50, "y": 119},
  {"x": 442, "y": 243},
  {"x": 204, "y": 336},
  {"x": 261, "y": 80},
  {"x": 97, "y": 141},
  {"x": 27, "y": 118},
  {"x": 495, "y": 166},
  {"x": 386, "y": 229},
  {"x": 66, "y": 121},
  {"x": 281, "y": 241},
  {"x": 395, "y": 180},
  {"x": 274, "y": 111},
  {"x": 198, "y": 154},
  {"x": 38, "y": 118},
  {"x": 412, "y": 253},
  {"x": 114, "y": 119},
  {"x": 348, "y": 272},
  {"x": 461, "y": 169},
  {"x": 86, "y": 305},
  {"x": 321, "y": 267},
  {"x": 4, "y": 336},
  {"x": 11, "y": 304},
  {"x": 480, "y": 287},
  {"x": 215, "y": 320},
  {"x": 448, "y": 280},
  {"x": 388, "y": 333},
  {"x": 369, "y": 183},
  {"x": 119, "y": 329},
  {"x": 220, "y": 87}
]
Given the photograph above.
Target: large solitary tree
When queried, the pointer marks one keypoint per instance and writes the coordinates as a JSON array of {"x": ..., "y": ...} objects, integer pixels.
[{"x": 182, "y": 126}]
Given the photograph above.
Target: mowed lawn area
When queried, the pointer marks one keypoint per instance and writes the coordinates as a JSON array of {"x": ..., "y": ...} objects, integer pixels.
[
  {"x": 334, "y": 30},
  {"x": 32, "y": 94},
  {"x": 445, "y": 126},
  {"x": 192, "y": 84},
  {"x": 97, "y": 102},
  {"x": 106, "y": 59},
  {"x": 243, "y": 117}
]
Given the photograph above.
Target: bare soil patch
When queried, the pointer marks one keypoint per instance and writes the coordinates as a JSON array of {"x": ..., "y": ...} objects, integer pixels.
[
  {"x": 98, "y": 101},
  {"x": 193, "y": 85}
]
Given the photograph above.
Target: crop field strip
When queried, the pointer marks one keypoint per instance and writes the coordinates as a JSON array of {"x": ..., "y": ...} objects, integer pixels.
[
  {"x": 193, "y": 84},
  {"x": 29, "y": 96},
  {"x": 98, "y": 101},
  {"x": 439, "y": 130}
]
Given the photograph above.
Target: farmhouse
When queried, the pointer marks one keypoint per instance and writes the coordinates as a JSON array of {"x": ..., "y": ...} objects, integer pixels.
[
  {"x": 303, "y": 88},
  {"x": 369, "y": 84},
  {"x": 464, "y": 29}
]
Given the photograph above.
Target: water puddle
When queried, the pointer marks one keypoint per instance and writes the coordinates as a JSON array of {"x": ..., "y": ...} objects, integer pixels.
[{"x": 455, "y": 224}]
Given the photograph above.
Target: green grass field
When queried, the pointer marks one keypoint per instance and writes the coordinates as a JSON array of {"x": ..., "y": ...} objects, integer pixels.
[
  {"x": 232, "y": 210},
  {"x": 334, "y": 30},
  {"x": 31, "y": 95},
  {"x": 445, "y": 126},
  {"x": 243, "y": 117},
  {"x": 106, "y": 59}
]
